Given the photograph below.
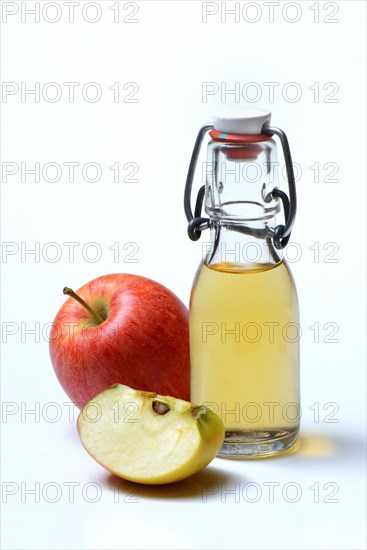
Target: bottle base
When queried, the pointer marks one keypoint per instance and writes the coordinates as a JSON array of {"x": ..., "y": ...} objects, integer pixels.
[{"x": 247, "y": 444}]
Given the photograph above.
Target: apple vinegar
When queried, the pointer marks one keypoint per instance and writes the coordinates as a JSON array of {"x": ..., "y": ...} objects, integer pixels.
[
  {"x": 244, "y": 326},
  {"x": 244, "y": 335}
]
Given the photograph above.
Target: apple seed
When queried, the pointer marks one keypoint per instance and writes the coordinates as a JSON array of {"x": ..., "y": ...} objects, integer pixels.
[{"x": 160, "y": 408}]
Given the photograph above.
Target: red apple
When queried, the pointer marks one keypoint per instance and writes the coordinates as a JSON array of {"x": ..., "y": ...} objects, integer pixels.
[{"x": 122, "y": 329}]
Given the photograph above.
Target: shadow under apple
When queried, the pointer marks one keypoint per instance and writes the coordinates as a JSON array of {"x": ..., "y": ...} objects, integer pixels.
[{"x": 206, "y": 481}]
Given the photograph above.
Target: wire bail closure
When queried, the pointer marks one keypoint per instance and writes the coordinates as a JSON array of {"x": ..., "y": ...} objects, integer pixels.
[{"x": 197, "y": 224}]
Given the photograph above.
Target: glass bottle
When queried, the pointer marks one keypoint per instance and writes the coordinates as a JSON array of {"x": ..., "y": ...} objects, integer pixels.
[{"x": 244, "y": 317}]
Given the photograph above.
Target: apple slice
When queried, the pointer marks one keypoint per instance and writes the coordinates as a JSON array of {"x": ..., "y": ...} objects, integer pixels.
[{"x": 149, "y": 438}]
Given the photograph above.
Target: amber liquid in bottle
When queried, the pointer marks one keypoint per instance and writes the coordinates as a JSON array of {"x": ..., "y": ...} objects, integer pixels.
[{"x": 244, "y": 340}]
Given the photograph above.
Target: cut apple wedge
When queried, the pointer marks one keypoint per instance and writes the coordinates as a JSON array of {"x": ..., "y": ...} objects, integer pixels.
[{"x": 149, "y": 438}]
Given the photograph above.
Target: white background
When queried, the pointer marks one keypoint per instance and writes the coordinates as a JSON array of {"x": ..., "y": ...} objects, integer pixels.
[{"x": 170, "y": 52}]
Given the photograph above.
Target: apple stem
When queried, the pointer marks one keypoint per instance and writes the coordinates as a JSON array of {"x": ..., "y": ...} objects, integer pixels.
[
  {"x": 196, "y": 410},
  {"x": 70, "y": 292}
]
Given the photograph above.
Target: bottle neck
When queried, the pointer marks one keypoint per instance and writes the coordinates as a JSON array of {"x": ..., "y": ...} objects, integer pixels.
[{"x": 241, "y": 245}]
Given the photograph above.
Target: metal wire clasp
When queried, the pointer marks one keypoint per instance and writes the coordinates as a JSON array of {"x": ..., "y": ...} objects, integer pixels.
[
  {"x": 282, "y": 233},
  {"x": 197, "y": 223}
]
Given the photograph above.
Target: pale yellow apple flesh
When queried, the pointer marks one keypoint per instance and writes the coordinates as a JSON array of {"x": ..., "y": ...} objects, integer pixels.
[{"x": 149, "y": 438}]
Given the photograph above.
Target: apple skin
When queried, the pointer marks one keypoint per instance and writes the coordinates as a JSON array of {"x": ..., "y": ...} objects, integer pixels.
[{"x": 144, "y": 341}]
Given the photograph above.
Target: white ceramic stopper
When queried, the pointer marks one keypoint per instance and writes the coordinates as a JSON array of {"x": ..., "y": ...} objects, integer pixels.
[{"x": 240, "y": 121}]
